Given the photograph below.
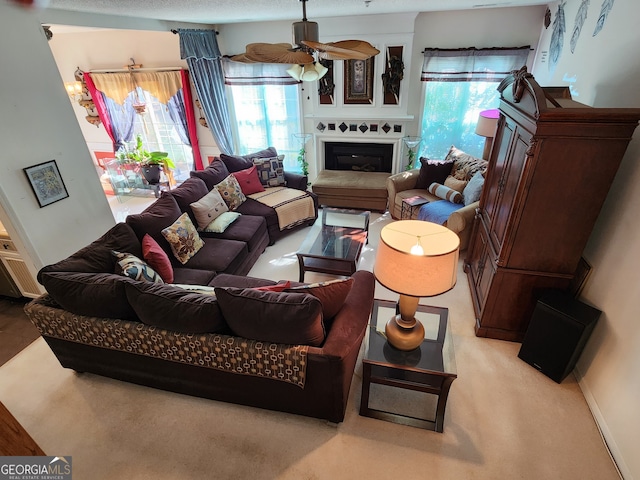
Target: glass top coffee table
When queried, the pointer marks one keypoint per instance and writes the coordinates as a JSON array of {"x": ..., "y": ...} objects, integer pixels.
[
  {"x": 334, "y": 246},
  {"x": 429, "y": 369}
]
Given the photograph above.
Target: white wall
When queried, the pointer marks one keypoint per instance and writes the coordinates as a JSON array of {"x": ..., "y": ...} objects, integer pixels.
[
  {"x": 603, "y": 71},
  {"x": 37, "y": 124}
]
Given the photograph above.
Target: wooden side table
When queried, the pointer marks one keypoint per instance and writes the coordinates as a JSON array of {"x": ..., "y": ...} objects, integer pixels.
[
  {"x": 410, "y": 205},
  {"x": 429, "y": 369}
]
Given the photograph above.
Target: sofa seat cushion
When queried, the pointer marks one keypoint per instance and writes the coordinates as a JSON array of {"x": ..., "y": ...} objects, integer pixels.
[
  {"x": 246, "y": 228},
  {"x": 239, "y": 281},
  {"x": 289, "y": 318},
  {"x": 174, "y": 308},
  {"x": 90, "y": 294},
  {"x": 217, "y": 255},
  {"x": 438, "y": 212},
  {"x": 412, "y": 193},
  {"x": 96, "y": 257},
  {"x": 192, "y": 276}
]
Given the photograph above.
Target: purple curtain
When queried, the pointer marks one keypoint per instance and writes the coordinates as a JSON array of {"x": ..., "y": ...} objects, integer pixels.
[{"x": 122, "y": 118}]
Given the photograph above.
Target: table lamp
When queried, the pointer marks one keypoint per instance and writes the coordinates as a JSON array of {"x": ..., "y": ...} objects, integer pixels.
[
  {"x": 415, "y": 259},
  {"x": 486, "y": 127}
]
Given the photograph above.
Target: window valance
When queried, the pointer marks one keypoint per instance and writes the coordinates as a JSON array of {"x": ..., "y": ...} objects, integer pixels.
[
  {"x": 238, "y": 73},
  {"x": 472, "y": 64},
  {"x": 118, "y": 86},
  {"x": 198, "y": 44}
]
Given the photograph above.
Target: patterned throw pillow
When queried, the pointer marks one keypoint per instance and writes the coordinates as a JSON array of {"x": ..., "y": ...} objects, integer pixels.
[
  {"x": 445, "y": 193},
  {"x": 271, "y": 171},
  {"x": 231, "y": 192},
  {"x": 208, "y": 208},
  {"x": 131, "y": 266},
  {"x": 183, "y": 238},
  {"x": 465, "y": 165}
]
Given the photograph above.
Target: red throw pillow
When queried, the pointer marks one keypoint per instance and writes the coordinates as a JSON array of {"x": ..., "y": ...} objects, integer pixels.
[
  {"x": 249, "y": 181},
  {"x": 278, "y": 287},
  {"x": 157, "y": 258}
]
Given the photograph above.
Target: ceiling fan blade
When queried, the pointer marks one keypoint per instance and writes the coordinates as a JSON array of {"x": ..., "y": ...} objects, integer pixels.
[
  {"x": 277, "y": 53},
  {"x": 273, "y": 53},
  {"x": 343, "y": 50}
]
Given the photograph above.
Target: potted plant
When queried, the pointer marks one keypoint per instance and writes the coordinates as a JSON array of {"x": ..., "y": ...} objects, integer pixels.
[{"x": 150, "y": 162}]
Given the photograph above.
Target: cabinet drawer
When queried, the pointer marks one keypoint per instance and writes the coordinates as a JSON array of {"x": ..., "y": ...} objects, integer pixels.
[{"x": 7, "y": 246}]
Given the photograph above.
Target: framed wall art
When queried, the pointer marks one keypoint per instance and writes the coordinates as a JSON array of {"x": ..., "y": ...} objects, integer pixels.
[
  {"x": 46, "y": 182},
  {"x": 358, "y": 81}
]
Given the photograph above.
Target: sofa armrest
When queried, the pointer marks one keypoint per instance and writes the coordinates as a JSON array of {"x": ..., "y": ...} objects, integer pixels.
[
  {"x": 351, "y": 322},
  {"x": 402, "y": 181},
  {"x": 296, "y": 180},
  {"x": 462, "y": 218}
]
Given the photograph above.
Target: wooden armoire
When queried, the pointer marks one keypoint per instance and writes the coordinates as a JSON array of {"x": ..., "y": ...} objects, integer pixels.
[{"x": 550, "y": 169}]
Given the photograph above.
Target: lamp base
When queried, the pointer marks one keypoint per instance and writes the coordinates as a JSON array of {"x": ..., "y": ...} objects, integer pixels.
[{"x": 404, "y": 335}]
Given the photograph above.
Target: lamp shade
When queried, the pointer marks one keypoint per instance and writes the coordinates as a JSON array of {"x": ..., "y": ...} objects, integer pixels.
[
  {"x": 295, "y": 71},
  {"x": 416, "y": 258},
  {"x": 487, "y": 123}
]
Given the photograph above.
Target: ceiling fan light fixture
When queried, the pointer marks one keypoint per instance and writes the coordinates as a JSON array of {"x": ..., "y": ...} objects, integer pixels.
[
  {"x": 295, "y": 71},
  {"x": 321, "y": 69},
  {"x": 309, "y": 73}
]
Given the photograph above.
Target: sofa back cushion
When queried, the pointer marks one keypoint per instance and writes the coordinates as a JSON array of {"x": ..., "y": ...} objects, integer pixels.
[
  {"x": 155, "y": 218},
  {"x": 235, "y": 163},
  {"x": 91, "y": 294},
  {"x": 189, "y": 191},
  {"x": 213, "y": 174},
  {"x": 174, "y": 308},
  {"x": 290, "y": 318},
  {"x": 96, "y": 257},
  {"x": 331, "y": 294}
]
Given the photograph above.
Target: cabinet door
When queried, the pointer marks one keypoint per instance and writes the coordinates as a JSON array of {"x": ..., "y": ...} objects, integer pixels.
[
  {"x": 481, "y": 267},
  {"x": 507, "y": 186},
  {"x": 496, "y": 170}
]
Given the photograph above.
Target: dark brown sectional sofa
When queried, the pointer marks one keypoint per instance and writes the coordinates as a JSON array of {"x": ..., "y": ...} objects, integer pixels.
[{"x": 175, "y": 338}]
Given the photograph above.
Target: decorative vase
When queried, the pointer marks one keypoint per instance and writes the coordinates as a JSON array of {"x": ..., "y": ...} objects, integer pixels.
[
  {"x": 411, "y": 143},
  {"x": 151, "y": 173}
]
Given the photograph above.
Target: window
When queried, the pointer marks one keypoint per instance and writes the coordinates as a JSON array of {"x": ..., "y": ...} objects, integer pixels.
[
  {"x": 459, "y": 84},
  {"x": 450, "y": 115},
  {"x": 159, "y": 134},
  {"x": 267, "y": 115}
]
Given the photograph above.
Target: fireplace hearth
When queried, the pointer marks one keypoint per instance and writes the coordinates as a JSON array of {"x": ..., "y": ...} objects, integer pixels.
[{"x": 354, "y": 156}]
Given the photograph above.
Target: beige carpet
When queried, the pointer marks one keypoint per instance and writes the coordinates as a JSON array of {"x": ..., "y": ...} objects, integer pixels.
[{"x": 504, "y": 419}]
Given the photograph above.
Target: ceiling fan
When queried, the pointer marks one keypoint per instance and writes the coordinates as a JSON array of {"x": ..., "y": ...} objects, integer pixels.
[{"x": 306, "y": 52}]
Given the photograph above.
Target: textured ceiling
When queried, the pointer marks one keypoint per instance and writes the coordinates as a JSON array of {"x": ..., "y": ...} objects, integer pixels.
[{"x": 233, "y": 11}]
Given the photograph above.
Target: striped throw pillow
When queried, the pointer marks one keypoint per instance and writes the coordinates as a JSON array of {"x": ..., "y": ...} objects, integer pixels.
[{"x": 445, "y": 193}]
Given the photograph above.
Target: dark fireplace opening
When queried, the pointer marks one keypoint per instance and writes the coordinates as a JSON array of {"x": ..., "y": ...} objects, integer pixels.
[{"x": 363, "y": 157}]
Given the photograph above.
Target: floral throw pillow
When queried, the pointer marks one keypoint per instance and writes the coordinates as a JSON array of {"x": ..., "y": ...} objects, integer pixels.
[
  {"x": 183, "y": 238},
  {"x": 270, "y": 171},
  {"x": 131, "y": 266},
  {"x": 231, "y": 192}
]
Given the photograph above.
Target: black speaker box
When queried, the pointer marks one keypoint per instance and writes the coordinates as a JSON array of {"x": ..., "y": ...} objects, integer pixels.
[{"x": 558, "y": 331}]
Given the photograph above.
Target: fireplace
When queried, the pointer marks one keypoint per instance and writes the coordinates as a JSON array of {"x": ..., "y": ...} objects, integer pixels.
[{"x": 364, "y": 157}]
